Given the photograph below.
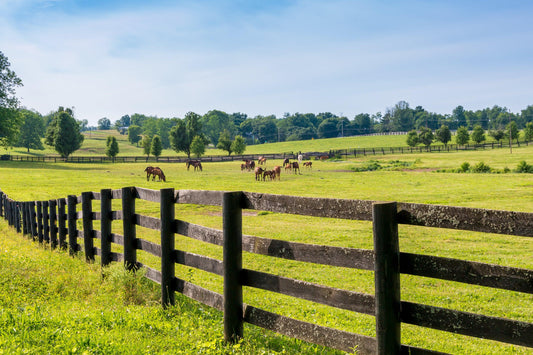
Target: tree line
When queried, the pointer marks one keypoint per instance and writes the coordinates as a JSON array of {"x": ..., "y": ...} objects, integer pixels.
[{"x": 233, "y": 131}]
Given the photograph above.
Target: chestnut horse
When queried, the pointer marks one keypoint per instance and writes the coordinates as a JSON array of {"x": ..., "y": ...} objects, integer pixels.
[
  {"x": 159, "y": 173},
  {"x": 258, "y": 173},
  {"x": 148, "y": 170},
  {"x": 262, "y": 160}
]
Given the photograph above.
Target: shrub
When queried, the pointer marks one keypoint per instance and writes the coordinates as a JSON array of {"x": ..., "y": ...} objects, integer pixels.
[
  {"x": 481, "y": 167},
  {"x": 524, "y": 167},
  {"x": 465, "y": 167}
]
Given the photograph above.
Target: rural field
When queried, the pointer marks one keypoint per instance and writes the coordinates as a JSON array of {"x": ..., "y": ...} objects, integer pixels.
[{"x": 52, "y": 303}]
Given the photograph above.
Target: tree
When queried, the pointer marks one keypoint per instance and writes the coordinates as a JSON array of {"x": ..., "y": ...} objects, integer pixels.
[
  {"x": 104, "y": 123},
  {"x": 31, "y": 130},
  {"x": 425, "y": 136},
  {"x": 198, "y": 146},
  {"x": 328, "y": 128},
  {"x": 111, "y": 147},
  {"x": 63, "y": 133},
  {"x": 147, "y": 146},
  {"x": 238, "y": 146},
  {"x": 9, "y": 117},
  {"x": 478, "y": 134},
  {"x": 134, "y": 134},
  {"x": 444, "y": 135},
  {"x": 459, "y": 117},
  {"x": 156, "y": 147},
  {"x": 214, "y": 122},
  {"x": 183, "y": 133},
  {"x": 497, "y": 134},
  {"x": 224, "y": 142},
  {"x": 462, "y": 137},
  {"x": 528, "y": 131},
  {"x": 412, "y": 138},
  {"x": 511, "y": 131}
]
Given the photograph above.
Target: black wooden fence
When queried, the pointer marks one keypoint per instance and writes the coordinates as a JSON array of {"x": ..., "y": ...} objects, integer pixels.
[
  {"x": 353, "y": 152},
  {"x": 55, "y": 222}
]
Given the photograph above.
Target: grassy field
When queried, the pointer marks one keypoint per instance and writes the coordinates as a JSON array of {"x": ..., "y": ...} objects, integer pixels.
[{"x": 107, "y": 310}]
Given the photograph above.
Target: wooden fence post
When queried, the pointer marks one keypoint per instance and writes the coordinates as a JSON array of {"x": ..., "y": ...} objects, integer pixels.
[
  {"x": 46, "y": 221},
  {"x": 232, "y": 260},
  {"x": 33, "y": 221},
  {"x": 24, "y": 207},
  {"x": 168, "y": 261},
  {"x": 129, "y": 230},
  {"x": 105, "y": 226},
  {"x": 1, "y": 203},
  {"x": 53, "y": 223},
  {"x": 387, "y": 278},
  {"x": 17, "y": 216},
  {"x": 72, "y": 201},
  {"x": 40, "y": 221},
  {"x": 61, "y": 225},
  {"x": 87, "y": 211}
]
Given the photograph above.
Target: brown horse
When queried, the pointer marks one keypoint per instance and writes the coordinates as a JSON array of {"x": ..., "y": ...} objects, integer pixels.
[
  {"x": 149, "y": 171},
  {"x": 277, "y": 172},
  {"x": 258, "y": 173},
  {"x": 308, "y": 164},
  {"x": 159, "y": 173},
  {"x": 286, "y": 161},
  {"x": 196, "y": 164},
  {"x": 295, "y": 166},
  {"x": 262, "y": 160},
  {"x": 190, "y": 162}
]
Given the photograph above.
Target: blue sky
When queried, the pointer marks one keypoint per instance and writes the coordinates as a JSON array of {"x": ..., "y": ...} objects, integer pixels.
[{"x": 109, "y": 58}]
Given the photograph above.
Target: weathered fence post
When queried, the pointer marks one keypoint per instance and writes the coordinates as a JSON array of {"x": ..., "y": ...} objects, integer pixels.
[
  {"x": 168, "y": 261},
  {"x": 87, "y": 211},
  {"x": 33, "y": 222},
  {"x": 72, "y": 229},
  {"x": 17, "y": 216},
  {"x": 1, "y": 203},
  {"x": 105, "y": 226},
  {"x": 232, "y": 260},
  {"x": 129, "y": 230},
  {"x": 53, "y": 223},
  {"x": 387, "y": 278},
  {"x": 40, "y": 221},
  {"x": 24, "y": 206},
  {"x": 46, "y": 221},
  {"x": 61, "y": 225}
]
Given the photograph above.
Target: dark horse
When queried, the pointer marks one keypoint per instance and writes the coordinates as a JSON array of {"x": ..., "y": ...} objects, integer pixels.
[
  {"x": 194, "y": 163},
  {"x": 149, "y": 170}
]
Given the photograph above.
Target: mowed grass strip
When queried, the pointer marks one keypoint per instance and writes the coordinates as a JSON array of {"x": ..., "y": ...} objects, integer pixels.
[{"x": 420, "y": 182}]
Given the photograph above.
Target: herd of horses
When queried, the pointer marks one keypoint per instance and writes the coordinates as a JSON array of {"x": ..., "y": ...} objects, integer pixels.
[{"x": 261, "y": 173}]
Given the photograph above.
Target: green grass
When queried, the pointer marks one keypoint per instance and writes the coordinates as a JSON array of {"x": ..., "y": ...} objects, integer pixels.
[{"x": 418, "y": 181}]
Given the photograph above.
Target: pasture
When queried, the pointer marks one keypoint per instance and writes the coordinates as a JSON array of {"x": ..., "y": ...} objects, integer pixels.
[{"x": 418, "y": 181}]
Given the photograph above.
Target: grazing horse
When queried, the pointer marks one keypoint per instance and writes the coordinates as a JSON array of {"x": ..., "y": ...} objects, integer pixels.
[
  {"x": 267, "y": 174},
  {"x": 324, "y": 157},
  {"x": 249, "y": 164},
  {"x": 149, "y": 171},
  {"x": 277, "y": 172},
  {"x": 159, "y": 173},
  {"x": 262, "y": 160},
  {"x": 308, "y": 164},
  {"x": 258, "y": 173},
  {"x": 295, "y": 166},
  {"x": 197, "y": 165},
  {"x": 286, "y": 161}
]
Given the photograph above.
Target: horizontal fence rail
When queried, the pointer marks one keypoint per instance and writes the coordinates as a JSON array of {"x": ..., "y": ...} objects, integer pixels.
[{"x": 56, "y": 222}]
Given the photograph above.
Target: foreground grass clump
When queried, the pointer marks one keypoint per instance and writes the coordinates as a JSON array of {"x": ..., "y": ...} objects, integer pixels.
[{"x": 51, "y": 303}]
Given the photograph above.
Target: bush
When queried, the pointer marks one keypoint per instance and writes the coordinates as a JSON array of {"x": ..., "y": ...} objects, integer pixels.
[
  {"x": 465, "y": 167},
  {"x": 524, "y": 167},
  {"x": 481, "y": 167}
]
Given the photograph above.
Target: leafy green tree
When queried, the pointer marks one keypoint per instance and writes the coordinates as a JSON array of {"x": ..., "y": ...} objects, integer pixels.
[
  {"x": 238, "y": 145},
  {"x": 214, "y": 122},
  {"x": 156, "y": 147},
  {"x": 224, "y": 141},
  {"x": 528, "y": 131},
  {"x": 10, "y": 120},
  {"x": 497, "y": 134},
  {"x": 328, "y": 128},
  {"x": 459, "y": 117},
  {"x": 31, "y": 130},
  {"x": 425, "y": 136},
  {"x": 63, "y": 133},
  {"x": 478, "y": 134},
  {"x": 511, "y": 130},
  {"x": 111, "y": 147},
  {"x": 198, "y": 146},
  {"x": 104, "y": 123},
  {"x": 147, "y": 146},
  {"x": 402, "y": 117},
  {"x": 412, "y": 138},
  {"x": 462, "y": 137},
  {"x": 134, "y": 134},
  {"x": 443, "y": 134},
  {"x": 183, "y": 133}
]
